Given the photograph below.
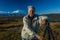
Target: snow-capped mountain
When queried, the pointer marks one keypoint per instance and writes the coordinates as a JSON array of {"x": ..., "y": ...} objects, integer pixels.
[{"x": 13, "y": 13}]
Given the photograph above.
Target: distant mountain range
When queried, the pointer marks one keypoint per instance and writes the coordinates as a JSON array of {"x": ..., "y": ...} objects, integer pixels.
[
  {"x": 53, "y": 17},
  {"x": 11, "y": 14}
]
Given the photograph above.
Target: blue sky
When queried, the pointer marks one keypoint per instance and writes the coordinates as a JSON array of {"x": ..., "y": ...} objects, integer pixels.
[{"x": 42, "y": 6}]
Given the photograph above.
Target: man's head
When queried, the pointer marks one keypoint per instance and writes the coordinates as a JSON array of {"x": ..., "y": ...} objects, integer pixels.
[{"x": 31, "y": 11}]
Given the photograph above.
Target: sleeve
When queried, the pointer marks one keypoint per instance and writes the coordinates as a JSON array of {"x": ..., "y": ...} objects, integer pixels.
[
  {"x": 37, "y": 27},
  {"x": 51, "y": 33},
  {"x": 26, "y": 24}
]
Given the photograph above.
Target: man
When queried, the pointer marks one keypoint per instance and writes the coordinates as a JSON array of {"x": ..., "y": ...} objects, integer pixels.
[{"x": 30, "y": 28}]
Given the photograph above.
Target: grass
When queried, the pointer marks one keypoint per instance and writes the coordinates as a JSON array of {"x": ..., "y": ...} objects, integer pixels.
[{"x": 10, "y": 28}]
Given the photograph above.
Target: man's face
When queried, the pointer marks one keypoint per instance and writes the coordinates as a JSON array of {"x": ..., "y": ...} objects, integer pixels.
[{"x": 31, "y": 12}]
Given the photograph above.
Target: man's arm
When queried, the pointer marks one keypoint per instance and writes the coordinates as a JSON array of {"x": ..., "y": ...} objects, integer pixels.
[
  {"x": 26, "y": 24},
  {"x": 51, "y": 33}
]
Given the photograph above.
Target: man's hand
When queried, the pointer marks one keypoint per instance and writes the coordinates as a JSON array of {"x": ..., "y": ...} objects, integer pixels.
[{"x": 39, "y": 37}]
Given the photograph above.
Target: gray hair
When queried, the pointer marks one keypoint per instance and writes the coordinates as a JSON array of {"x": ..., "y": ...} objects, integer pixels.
[{"x": 31, "y": 7}]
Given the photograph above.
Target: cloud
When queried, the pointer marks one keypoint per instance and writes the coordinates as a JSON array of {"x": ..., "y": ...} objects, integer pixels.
[
  {"x": 16, "y": 11},
  {"x": 4, "y": 12}
]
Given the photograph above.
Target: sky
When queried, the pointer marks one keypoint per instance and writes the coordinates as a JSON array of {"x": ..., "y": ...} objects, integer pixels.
[{"x": 42, "y": 6}]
